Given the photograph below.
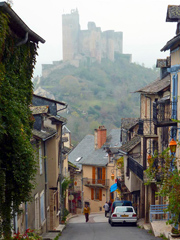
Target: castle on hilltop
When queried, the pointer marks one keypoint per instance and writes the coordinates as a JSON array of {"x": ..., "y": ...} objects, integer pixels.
[
  {"x": 85, "y": 46},
  {"x": 91, "y": 43}
]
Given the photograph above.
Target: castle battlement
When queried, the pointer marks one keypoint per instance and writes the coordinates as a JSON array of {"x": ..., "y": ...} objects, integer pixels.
[{"x": 91, "y": 43}]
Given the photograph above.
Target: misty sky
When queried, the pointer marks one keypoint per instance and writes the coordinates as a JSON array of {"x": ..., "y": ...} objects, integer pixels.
[{"x": 142, "y": 22}]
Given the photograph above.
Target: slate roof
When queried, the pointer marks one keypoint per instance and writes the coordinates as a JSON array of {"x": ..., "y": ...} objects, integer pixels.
[
  {"x": 128, "y": 123},
  {"x": 171, "y": 43},
  {"x": 82, "y": 150},
  {"x": 18, "y": 26},
  {"x": 98, "y": 157},
  {"x": 44, "y": 134},
  {"x": 163, "y": 63},
  {"x": 173, "y": 13},
  {"x": 113, "y": 139},
  {"x": 156, "y": 86},
  {"x": 57, "y": 119},
  {"x": 130, "y": 144},
  {"x": 39, "y": 109}
]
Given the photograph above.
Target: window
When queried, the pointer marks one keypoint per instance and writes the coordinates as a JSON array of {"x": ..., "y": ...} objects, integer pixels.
[
  {"x": 42, "y": 207},
  {"x": 40, "y": 159},
  {"x": 96, "y": 194},
  {"x": 99, "y": 173}
]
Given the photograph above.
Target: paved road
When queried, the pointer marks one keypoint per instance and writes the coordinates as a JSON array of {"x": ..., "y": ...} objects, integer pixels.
[{"x": 98, "y": 228}]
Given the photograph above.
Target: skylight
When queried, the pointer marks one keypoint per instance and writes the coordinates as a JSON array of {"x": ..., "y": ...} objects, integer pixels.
[{"x": 78, "y": 159}]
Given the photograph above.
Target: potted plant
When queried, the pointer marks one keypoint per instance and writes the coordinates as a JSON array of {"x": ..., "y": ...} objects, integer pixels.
[{"x": 175, "y": 232}]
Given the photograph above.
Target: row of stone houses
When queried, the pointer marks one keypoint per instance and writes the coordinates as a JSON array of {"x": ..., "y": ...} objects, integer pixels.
[
  {"x": 49, "y": 138},
  {"x": 93, "y": 168},
  {"x": 154, "y": 129},
  {"x": 105, "y": 170},
  {"x": 43, "y": 212}
]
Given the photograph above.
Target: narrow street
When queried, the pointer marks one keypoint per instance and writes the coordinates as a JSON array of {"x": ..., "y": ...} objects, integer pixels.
[{"x": 98, "y": 228}]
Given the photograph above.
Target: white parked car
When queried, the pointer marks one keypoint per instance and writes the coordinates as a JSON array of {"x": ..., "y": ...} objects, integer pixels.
[{"x": 123, "y": 214}]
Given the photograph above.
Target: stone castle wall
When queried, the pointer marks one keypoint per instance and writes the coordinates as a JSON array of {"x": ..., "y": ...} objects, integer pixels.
[{"x": 91, "y": 43}]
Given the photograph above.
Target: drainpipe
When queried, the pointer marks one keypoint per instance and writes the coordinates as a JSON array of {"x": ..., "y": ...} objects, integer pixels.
[
  {"x": 150, "y": 121},
  {"x": 45, "y": 173},
  {"x": 24, "y": 41}
]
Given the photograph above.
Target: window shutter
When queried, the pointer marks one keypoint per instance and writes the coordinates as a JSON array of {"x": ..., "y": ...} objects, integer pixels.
[
  {"x": 100, "y": 194},
  {"x": 92, "y": 194},
  {"x": 93, "y": 174},
  {"x": 103, "y": 175}
]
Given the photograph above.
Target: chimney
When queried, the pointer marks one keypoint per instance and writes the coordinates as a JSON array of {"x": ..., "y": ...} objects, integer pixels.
[
  {"x": 100, "y": 136},
  {"x": 163, "y": 64}
]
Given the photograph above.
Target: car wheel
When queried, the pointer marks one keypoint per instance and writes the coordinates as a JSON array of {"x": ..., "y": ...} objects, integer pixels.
[
  {"x": 112, "y": 224},
  {"x": 135, "y": 224}
]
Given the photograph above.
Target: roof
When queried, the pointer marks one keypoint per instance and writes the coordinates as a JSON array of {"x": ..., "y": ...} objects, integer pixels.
[
  {"x": 127, "y": 147},
  {"x": 82, "y": 150},
  {"x": 128, "y": 123},
  {"x": 173, "y": 13},
  {"x": 113, "y": 139},
  {"x": 65, "y": 130},
  {"x": 171, "y": 43},
  {"x": 98, "y": 157},
  {"x": 39, "y": 109},
  {"x": 57, "y": 119},
  {"x": 18, "y": 26},
  {"x": 163, "y": 63},
  {"x": 51, "y": 100},
  {"x": 156, "y": 86},
  {"x": 44, "y": 134}
]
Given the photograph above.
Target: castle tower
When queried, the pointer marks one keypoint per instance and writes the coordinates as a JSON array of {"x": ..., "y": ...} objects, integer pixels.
[{"x": 70, "y": 28}]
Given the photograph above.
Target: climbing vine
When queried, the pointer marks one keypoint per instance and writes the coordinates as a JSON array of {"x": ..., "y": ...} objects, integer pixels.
[
  {"x": 164, "y": 172},
  {"x": 17, "y": 162}
]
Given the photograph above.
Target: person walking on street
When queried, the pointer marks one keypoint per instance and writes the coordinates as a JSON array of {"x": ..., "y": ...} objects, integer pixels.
[
  {"x": 106, "y": 208},
  {"x": 109, "y": 204},
  {"x": 86, "y": 212}
]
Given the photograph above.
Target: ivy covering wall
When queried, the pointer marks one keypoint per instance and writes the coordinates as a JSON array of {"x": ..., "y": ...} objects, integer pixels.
[{"x": 17, "y": 162}]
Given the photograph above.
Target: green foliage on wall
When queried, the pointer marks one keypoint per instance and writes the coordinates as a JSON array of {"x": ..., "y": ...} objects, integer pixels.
[{"x": 17, "y": 162}]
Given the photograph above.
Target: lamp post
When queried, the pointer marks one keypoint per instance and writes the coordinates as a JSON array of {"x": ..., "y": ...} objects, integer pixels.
[{"x": 172, "y": 146}]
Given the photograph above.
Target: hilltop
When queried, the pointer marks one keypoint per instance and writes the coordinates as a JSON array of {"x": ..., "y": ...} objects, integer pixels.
[{"x": 98, "y": 93}]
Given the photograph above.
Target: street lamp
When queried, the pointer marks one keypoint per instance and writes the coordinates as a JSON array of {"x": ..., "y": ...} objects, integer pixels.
[
  {"x": 112, "y": 174},
  {"x": 173, "y": 146}
]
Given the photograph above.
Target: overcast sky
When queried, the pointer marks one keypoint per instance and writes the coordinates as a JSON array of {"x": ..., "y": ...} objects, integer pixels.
[{"x": 143, "y": 23}]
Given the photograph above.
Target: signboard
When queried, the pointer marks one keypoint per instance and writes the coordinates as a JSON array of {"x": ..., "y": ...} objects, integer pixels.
[{"x": 71, "y": 197}]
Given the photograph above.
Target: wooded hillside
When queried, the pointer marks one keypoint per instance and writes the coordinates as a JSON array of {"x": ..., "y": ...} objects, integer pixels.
[{"x": 99, "y": 93}]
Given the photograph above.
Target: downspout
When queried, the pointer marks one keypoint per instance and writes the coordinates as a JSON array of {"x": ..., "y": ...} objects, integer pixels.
[
  {"x": 150, "y": 121},
  {"x": 24, "y": 41},
  {"x": 46, "y": 182}
]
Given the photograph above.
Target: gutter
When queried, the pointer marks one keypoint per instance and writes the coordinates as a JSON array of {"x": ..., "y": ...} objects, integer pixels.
[{"x": 14, "y": 18}]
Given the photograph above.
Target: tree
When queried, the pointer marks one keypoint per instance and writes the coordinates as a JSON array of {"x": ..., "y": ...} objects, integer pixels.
[{"x": 17, "y": 161}]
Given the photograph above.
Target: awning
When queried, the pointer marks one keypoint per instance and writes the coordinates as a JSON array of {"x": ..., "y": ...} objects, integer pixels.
[{"x": 113, "y": 187}]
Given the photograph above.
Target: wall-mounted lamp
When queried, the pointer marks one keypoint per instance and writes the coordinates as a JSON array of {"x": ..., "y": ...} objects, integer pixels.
[{"x": 173, "y": 145}]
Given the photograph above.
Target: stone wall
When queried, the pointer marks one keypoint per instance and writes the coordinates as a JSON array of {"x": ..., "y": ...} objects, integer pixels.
[{"x": 91, "y": 43}]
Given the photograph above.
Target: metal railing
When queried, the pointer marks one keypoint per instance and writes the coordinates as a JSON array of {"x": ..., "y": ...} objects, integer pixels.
[
  {"x": 90, "y": 181},
  {"x": 135, "y": 167},
  {"x": 160, "y": 210},
  {"x": 164, "y": 112}
]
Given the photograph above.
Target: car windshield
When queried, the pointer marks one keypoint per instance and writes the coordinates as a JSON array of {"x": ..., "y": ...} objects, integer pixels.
[{"x": 123, "y": 209}]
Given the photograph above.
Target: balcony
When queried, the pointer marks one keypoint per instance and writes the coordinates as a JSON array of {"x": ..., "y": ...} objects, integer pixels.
[
  {"x": 101, "y": 183},
  {"x": 164, "y": 112},
  {"x": 135, "y": 167}
]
